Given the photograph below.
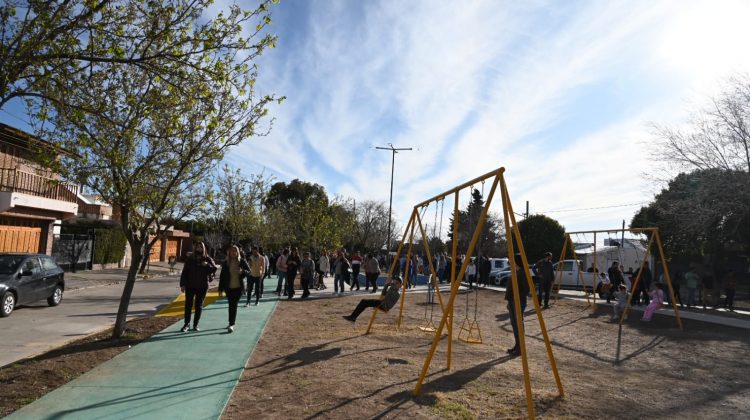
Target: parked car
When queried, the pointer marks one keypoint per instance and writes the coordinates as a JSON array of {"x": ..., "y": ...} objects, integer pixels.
[
  {"x": 27, "y": 278},
  {"x": 498, "y": 265},
  {"x": 504, "y": 276}
]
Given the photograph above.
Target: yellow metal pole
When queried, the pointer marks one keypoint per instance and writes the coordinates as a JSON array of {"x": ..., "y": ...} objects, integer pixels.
[
  {"x": 454, "y": 254},
  {"x": 433, "y": 278},
  {"x": 633, "y": 230},
  {"x": 393, "y": 267},
  {"x": 634, "y": 286},
  {"x": 490, "y": 174},
  {"x": 558, "y": 281},
  {"x": 595, "y": 277},
  {"x": 454, "y": 292},
  {"x": 510, "y": 231},
  {"x": 668, "y": 277},
  {"x": 540, "y": 317},
  {"x": 407, "y": 268}
]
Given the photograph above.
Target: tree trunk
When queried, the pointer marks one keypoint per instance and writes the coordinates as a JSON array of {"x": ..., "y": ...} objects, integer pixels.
[{"x": 136, "y": 254}]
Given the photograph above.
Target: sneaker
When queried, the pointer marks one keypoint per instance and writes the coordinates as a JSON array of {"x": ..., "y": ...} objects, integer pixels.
[
  {"x": 185, "y": 328},
  {"x": 230, "y": 329},
  {"x": 247, "y": 304},
  {"x": 348, "y": 318},
  {"x": 195, "y": 328}
]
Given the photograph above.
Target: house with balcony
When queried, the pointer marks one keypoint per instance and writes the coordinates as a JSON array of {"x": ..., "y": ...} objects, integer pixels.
[{"x": 32, "y": 198}]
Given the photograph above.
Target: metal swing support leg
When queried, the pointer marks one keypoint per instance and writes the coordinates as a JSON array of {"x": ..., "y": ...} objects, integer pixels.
[{"x": 393, "y": 267}]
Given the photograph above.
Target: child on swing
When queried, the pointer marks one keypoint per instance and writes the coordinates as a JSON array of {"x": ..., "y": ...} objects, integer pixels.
[
  {"x": 657, "y": 300},
  {"x": 388, "y": 298},
  {"x": 622, "y": 298}
]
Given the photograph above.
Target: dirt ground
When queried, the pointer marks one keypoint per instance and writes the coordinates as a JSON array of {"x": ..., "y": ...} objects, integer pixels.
[
  {"x": 310, "y": 363},
  {"x": 27, "y": 380}
]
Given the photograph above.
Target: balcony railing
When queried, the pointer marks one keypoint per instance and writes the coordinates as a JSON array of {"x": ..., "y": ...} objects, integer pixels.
[{"x": 24, "y": 182}]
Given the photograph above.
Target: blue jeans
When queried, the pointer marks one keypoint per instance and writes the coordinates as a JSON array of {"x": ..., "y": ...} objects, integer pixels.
[
  {"x": 338, "y": 283},
  {"x": 691, "y": 296},
  {"x": 280, "y": 284}
]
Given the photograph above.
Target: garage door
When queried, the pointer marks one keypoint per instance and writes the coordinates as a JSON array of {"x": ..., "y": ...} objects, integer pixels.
[
  {"x": 20, "y": 239},
  {"x": 156, "y": 252},
  {"x": 172, "y": 245}
]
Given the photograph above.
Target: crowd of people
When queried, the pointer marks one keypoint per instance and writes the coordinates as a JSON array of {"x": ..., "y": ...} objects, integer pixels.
[{"x": 244, "y": 273}]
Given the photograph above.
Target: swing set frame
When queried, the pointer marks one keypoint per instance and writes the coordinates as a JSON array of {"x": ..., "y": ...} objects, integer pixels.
[
  {"x": 654, "y": 237},
  {"x": 513, "y": 238}
]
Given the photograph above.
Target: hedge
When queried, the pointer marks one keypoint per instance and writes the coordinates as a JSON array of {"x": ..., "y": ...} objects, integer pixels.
[{"x": 109, "y": 246}]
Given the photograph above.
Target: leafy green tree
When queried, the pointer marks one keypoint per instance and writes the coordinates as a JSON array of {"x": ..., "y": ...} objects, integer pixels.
[
  {"x": 700, "y": 213},
  {"x": 491, "y": 241},
  {"x": 703, "y": 211},
  {"x": 296, "y": 192},
  {"x": 46, "y": 44},
  {"x": 160, "y": 127},
  {"x": 541, "y": 234},
  {"x": 236, "y": 204}
]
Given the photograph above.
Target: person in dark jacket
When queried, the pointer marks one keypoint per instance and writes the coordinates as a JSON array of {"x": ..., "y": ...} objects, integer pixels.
[
  {"x": 293, "y": 264},
  {"x": 233, "y": 271},
  {"x": 485, "y": 267},
  {"x": 644, "y": 284},
  {"x": 546, "y": 275},
  {"x": 388, "y": 298},
  {"x": 197, "y": 272},
  {"x": 523, "y": 291}
]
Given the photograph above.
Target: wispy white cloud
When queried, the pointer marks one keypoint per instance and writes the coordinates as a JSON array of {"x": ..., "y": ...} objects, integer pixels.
[{"x": 475, "y": 85}]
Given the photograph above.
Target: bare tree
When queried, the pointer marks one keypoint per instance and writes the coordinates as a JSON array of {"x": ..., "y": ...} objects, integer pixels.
[{"x": 716, "y": 138}]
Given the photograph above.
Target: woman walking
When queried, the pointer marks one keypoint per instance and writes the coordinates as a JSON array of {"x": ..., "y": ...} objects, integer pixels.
[
  {"x": 293, "y": 264},
  {"x": 197, "y": 272},
  {"x": 233, "y": 271},
  {"x": 323, "y": 268}
]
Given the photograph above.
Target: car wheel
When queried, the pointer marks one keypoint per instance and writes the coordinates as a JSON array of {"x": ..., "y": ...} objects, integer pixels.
[
  {"x": 8, "y": 304},
  {"x": 56, "y": 297}
]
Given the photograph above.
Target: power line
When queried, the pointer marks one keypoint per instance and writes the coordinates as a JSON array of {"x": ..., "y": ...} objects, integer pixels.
[
  {"x": 595, "y": 208},
  {"x": 14, "y": 116}
]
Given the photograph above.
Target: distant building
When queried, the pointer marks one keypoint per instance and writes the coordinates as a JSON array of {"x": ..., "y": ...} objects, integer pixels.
[{"x": 32, "y": 198}]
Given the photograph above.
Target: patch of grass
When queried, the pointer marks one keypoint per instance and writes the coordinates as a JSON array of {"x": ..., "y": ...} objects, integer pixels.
[{"x": 452, "y": 410}]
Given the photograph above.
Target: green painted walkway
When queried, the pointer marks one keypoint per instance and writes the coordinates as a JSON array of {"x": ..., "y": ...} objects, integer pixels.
[{"x": 173, "y": 375}]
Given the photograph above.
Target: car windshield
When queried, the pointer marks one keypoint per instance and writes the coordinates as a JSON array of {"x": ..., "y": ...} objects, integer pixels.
[{"x": 9, "y": 263}]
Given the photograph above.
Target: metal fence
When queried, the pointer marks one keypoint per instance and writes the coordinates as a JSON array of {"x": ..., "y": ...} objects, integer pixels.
[{"x": 73, "y": 252}]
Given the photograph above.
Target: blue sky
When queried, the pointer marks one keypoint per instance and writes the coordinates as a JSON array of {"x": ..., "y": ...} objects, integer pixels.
[{"x": 559, "y": 93}]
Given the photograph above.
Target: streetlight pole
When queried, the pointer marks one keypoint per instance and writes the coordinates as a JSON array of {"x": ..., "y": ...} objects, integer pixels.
[{"x": 393, "y": 150}]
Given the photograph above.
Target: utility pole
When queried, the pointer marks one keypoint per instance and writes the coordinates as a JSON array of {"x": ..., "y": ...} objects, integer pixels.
[
  {"x": 527, "y": 210},
  {"x": 393, "y": 150}
]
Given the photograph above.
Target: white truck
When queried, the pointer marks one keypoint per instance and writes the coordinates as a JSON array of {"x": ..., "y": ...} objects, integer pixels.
[{"x": 570, "y": 274}]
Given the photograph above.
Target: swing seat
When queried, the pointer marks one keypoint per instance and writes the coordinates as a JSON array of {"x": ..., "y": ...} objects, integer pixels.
[
  {"x": 472, "y": 331},
  {"x": 428, "y": 328}
]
